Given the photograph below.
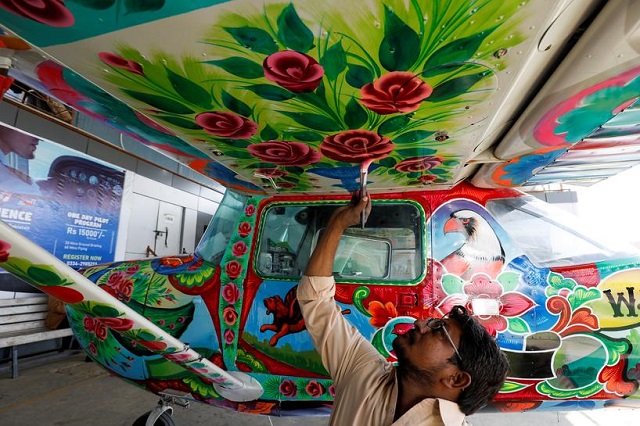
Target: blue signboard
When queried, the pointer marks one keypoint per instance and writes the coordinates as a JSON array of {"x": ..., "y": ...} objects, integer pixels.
[{"x": 63, "y": 200}]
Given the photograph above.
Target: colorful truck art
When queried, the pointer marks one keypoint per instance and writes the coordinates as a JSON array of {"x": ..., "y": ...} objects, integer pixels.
[{"x": 569, "y": 331}]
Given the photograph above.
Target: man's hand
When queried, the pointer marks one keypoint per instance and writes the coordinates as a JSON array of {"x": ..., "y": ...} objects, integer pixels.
[
  {"x": 321, "y": 261},
  {"x": 349, "y": 215}
]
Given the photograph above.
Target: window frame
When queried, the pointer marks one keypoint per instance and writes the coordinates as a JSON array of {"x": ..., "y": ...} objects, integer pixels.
[{"x": 421, "y": 240}]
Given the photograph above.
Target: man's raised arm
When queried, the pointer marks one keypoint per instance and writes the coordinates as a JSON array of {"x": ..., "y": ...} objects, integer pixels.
[{"x": 332, "y": 335}]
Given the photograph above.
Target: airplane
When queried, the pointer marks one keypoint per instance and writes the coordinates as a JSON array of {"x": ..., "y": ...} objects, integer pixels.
[{"x": 443, "y": 111}]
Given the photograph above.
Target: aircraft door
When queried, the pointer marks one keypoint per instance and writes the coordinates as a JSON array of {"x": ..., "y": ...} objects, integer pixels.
[
  {"x": 168, "y": 231},
  {"x": 155, "y": 228}
]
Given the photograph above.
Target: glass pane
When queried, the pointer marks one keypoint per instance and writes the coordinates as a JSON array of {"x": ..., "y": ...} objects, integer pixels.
[
  {"x": 216, "y": 238},
  {"x": 558, "y": 239},
  {"x": 362, "y": 256}
]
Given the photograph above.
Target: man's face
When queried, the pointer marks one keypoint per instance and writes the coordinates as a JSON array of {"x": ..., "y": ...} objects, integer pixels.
[
  {"x": 424, "y": 354},
  {"x": 23, "y": 145}
]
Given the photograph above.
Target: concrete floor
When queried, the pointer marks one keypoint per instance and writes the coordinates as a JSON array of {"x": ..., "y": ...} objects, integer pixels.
[{"x": 71, "y": 392}]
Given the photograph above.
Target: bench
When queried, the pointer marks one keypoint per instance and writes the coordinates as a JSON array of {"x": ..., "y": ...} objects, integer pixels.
[{"x": 22, "y": 322}]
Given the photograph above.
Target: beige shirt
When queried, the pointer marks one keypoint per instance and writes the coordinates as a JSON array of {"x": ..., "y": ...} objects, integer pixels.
[{"x": 365, "y": 383}]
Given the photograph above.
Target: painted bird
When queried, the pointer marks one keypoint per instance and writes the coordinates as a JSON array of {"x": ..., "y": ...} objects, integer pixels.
[{"x": 481, "y": 251}]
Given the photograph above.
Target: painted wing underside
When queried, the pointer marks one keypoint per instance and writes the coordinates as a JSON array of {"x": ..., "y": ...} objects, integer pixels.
[{"x": 269, "y": 96}]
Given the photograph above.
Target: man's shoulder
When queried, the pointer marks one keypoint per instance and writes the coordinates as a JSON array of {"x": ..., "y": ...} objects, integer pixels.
[
  {"x": 433, "y": 412},
  {"x": 315, "y": 287}
]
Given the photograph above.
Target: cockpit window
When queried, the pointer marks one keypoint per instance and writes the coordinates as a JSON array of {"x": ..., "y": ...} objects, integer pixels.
[
  {"x": 389, "y": 248},
  {"x": 216, "y": 238},
  {"x": 550, "y": 236}
]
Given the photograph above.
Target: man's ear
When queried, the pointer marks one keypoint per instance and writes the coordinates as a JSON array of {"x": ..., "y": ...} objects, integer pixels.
[{"x": 457, "y": 380}]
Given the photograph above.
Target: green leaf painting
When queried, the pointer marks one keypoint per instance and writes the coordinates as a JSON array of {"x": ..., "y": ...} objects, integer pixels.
[
  {"x": 239, "y": 67},
  {"x": 293, "y": 32},
  {"x": 159, "y": 102},
  {"x": 235, "y": 105},
  {"x": 357, "y": 75},
  {"x": 133, "y": 6},
  {"x": 189, "y": 91},
  {"x": 452, "y": 284},
  {"x": 457, "y": 52},
  {"x": 334, "y": 61},
  {"x": 400, "y": 46},
  {"x": 255, "y": 39}
]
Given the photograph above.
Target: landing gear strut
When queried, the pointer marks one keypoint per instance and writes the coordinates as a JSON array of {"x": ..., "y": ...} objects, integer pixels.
[{"x": 161, "y": 415}]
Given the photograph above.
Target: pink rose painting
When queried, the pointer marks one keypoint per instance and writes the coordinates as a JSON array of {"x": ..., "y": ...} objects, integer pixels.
[
  {"x": 230, "y": 293},
  {"x": 314, "y": 389},
  {"x": 229, "y": 336},
  {"x": 229, "y": 315},
  {"x": 250, "y": 210}
]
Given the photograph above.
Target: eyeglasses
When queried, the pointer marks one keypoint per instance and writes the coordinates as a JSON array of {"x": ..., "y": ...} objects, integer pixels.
[{"x": 439, "y": 324}]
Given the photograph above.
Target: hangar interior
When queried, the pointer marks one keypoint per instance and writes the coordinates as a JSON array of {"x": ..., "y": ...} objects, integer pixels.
[{"x": 165, "y": 207}]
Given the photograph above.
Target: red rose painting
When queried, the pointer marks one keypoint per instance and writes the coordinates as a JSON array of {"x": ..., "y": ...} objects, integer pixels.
[
  {"x": 395, "y": 92},
  {"x": 418, "y": 164},
  {"x": 294, "y": 71},
  {"x": 288, "y": 388},
  {"x": 51, "y": 12},
  {"x": 239, "y": 249},
  {"x": 118, "y": 61},
  {"x": 284, "y": 153},
  {"x": 4, "y": 251},
  {"x": 356, "y": 146},
  {"x": 244, "y": 229},
  {"x": 226, "y": 125},
  {"x": 233, "y": 269}
]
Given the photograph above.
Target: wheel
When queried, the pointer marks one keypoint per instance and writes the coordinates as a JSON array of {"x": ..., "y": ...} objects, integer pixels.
[{"x": 164, "y": 420}]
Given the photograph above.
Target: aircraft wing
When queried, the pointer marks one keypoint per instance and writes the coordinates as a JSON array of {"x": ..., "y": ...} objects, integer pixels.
[
  {"x": 26, "y": 260},
  {"x": 268, "y": 97}
]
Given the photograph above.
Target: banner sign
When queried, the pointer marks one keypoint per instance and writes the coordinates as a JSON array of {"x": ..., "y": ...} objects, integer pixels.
[{"x": 65, "y": 201}]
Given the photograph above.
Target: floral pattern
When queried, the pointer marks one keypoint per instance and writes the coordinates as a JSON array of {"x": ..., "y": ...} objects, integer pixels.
[
  {"x": 510, "y": 304},
  {"x": 302, "y": 96},
  {"x": 233, "y": 271}
]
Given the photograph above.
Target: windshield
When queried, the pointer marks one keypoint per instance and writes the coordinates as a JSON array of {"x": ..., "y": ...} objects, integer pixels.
[
  {"x": 550, "y": 236},
  {"x": 216, "y": 238}
]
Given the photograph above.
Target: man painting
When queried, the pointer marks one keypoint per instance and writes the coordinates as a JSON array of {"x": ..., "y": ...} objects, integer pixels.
[{"x": 447, "y": 367}]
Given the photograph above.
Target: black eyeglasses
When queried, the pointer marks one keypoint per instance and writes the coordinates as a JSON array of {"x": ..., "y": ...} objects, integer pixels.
[{"x": 439, "y": 324}]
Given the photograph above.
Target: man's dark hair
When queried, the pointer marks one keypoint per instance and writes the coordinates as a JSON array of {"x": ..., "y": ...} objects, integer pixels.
[{"x": 482, "y": 359}]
